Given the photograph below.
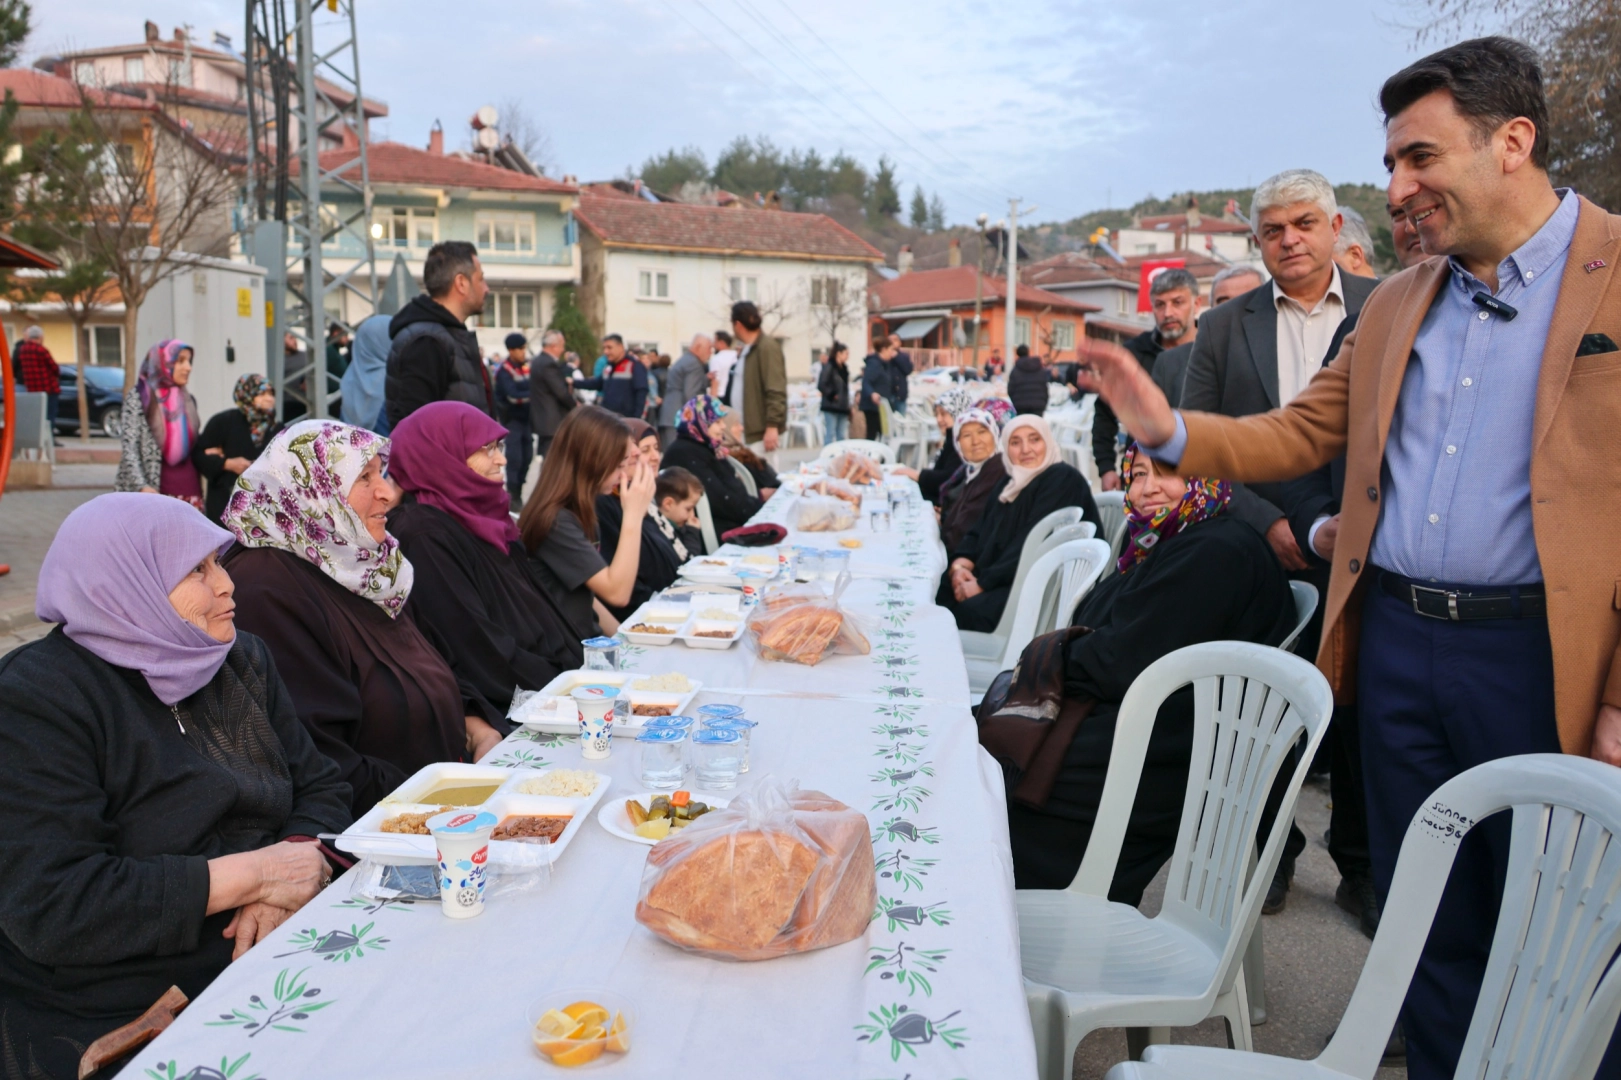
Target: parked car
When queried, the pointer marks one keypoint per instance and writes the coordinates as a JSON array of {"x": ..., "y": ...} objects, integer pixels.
[{"x": 104, "y": 393}]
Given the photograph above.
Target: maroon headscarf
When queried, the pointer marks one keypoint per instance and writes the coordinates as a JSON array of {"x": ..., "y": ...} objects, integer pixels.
[
  {"x": 639, "y": 429},
  {"x": 429, "y": 459}
]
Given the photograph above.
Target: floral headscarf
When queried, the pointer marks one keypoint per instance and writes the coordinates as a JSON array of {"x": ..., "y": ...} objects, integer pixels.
[
  {"x": 989, "y": 413},
  {"x": 954, "y": 401},
  {"x": 295, "y": 498},
  {"x": 697, "y": 417},
  {"x": 168, "y": 408},
  {"x": 1205, "y": 499},
  {"x": 247, "y": 388}
]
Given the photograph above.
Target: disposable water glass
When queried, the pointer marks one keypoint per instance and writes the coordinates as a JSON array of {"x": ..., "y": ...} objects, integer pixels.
[
  {"x": 680, "y": 723},
  {"x": 810, "y": 564},
  {"x": 879, "y": 519},
  {"x": 717, "y": 759},
  {"x": 601, "y": 654},
  {"x": 744, "y": 729},
  {"x": 660, "y": 757},
  {"x": 835, "y": 563},
  {"x": 708, "y": 714},
  {"x": 897, "y": 499}
]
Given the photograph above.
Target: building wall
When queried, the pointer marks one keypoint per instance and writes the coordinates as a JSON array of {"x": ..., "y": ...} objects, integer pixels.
[
  {"x": 1043, "y": 324},
  {"x": 1234, "y": 247},
  {"x": 699, "y": 300}
]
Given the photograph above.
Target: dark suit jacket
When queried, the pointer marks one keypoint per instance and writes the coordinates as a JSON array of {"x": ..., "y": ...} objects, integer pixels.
[
  {"x": 1318, "y": 492},
  {"x": 1234, "y": 371},
  {"x": 550, "y": 396},
  {"x": 1170, "y": 369}
]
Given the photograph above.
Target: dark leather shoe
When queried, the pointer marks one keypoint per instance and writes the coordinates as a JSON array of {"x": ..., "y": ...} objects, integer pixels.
[
  {"x": 1277, "y": 894},
  {"x": 1355, "y": 896}
]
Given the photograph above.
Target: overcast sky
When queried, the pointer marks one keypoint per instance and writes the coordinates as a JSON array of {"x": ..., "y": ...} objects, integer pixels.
[{"x": 1073, "y": 105}]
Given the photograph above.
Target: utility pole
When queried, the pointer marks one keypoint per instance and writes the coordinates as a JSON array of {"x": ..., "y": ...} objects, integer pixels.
[
  {"x": 979, "y": 283},
  {"x": 1012, "y": 274}
]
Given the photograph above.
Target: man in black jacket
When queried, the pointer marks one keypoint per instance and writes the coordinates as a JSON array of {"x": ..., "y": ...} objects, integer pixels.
[
  {"x": 1171, "y": 366},
  {"x": 550, "y": 396},
  {"x": 434, "y": 357},
  {"x": 1027, "y": 383},
  {"x": 1174, "y": 297},
  {"x": 877, "y": 383}
]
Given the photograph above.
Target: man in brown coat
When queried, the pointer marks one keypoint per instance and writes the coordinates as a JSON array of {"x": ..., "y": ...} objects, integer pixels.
[{"x": 1474, "y": 608}]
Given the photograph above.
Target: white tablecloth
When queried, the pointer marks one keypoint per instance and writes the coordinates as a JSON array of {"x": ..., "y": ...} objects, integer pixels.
[{"x": 352, "y": 988}]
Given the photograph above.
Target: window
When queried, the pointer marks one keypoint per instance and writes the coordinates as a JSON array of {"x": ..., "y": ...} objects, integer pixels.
[
  {"x": 1124, "y": 303},
  {"x": 1021, "y": 331},
  {"x": 504, "y": 232},
  {"x": 134, "y": 69},
  {"x": 510, "y": 310},
  {"x": 1063, "y": 335},
  {"x": 743, "y": 288},
  {"x": 84, "y": 74},
  {"x": 652, "y": 285},
  {"x": 179, "y": 72},
  {"x": 825, "y": 291},
  {"x": 107, "y": 345},
  {"x": 405, "y": 227}
]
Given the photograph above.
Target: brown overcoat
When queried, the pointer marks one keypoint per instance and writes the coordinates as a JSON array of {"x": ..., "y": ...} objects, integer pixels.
[{"x": 1575, "y": 465}]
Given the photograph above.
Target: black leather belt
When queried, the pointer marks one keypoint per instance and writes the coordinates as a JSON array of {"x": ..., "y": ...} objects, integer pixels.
[{"x": 1463, "y": 603}]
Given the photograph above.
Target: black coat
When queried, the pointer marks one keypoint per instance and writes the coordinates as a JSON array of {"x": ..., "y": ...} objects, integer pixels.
[
  {"x": 963, "y": 500},
  {"x": 1146, "y": 347},
  {"x": 730, "y": 503},
  {"x": 946, "y": 462},
  {"x": 229, "y": 432},
  {"x": 659, "y": 562},
  {"x": 433, "y": 357},
  {"x": 1027, "y": 386},
  {"x": 1214, "y": 581},
  {"x": 834, "y": 383},
  {"x": 109, "y": 813},
  {"x": 482, "y": 610},
  {"x": 550, "y": 397},
  {"x": 877, "y": 377}
]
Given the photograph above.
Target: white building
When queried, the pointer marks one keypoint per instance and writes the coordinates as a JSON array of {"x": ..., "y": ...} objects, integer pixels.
[
  {"x": 656, "y": 273},
  {"x": 1227, "y": 238}
]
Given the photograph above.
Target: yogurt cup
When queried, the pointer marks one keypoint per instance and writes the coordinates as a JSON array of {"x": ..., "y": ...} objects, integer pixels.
[
  {"x": 594, "y": 704},
  {"x": 462, "y": 838}
]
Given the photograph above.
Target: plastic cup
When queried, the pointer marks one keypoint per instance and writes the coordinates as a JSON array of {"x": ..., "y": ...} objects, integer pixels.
[
  {"x": 810, "y": 564},
  {"x": 753, "y": 584},
  {"x": 595, "y": 706},
  {"x": 462, "y": 838},
  {"x": 879, "y": 520},
  {"x": 679, "y": 723},
  {"x": 835, "y": 563},
  {"x": 601, "y": 654},
  {"x": 660, "y": 757},
  {"x": 717, "y": 759},
  {"x": 708, "y": 714},
  {"x": 744, "y": 729}
]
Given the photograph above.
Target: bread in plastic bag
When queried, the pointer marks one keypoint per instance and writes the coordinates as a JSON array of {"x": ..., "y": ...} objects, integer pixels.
[
  {"x": 854, "y": 467},
  {"x": 834, "y": 487},
  {"x": 804, "y": 626},
  {"x": 822, "y": 513},
  {"x": 779, "y": 871}
]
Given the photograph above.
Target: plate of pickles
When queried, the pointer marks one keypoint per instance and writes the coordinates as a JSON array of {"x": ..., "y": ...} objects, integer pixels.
[{"x": 650, "y": 816}]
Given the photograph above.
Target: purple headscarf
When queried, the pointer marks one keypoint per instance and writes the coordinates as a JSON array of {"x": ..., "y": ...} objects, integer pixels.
[
  {"x": 429, "y": 459},
  {"x": 107, "y": 579}
]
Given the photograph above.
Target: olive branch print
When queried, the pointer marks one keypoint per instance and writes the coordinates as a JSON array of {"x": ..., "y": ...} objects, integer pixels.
[
  {"x": 906, "y": 1030},
  {"x": 906, "y": 965},
  {"x": 292, "y": 1000}
]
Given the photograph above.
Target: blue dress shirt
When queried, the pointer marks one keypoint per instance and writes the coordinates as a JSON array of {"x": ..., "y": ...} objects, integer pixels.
[{"x": 1457, "y": 468}]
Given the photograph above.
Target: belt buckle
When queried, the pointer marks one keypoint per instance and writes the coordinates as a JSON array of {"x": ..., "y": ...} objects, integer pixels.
[{"x": 1451, "y": 599}]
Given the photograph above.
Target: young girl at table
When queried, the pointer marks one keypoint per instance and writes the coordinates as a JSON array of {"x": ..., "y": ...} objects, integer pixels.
[{"x": 663, "y": 550}]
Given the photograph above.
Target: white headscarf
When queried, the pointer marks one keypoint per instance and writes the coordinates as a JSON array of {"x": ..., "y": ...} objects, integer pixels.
[{"x": 1021, "y": 475}]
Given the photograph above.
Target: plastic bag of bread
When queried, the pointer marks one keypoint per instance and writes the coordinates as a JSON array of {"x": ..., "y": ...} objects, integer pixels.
[
  {"x": 835, "y": 487},
  {"x": 823, "y": 513},
  {"x": 854, "y": 467},
  {"x": 779, "y": 871},
  {"x": 803, "y": 627}
]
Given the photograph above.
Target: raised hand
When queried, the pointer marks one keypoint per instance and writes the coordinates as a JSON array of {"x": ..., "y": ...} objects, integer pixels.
[{"x": 1115, "y": 375}]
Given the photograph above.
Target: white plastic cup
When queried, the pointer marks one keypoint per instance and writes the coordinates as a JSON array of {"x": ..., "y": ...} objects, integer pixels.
[
  {"x": 462, "y": 838},
  {"x": 594, "y": 703}
]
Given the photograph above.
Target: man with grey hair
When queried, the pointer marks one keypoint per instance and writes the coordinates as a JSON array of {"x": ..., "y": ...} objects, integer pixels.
[
  {"x": 687, "y": 378},
  {"x": 1259, "y": 351},
  {"x": 550, "y": 397},
  {"x": 1173, "y": 295},
  {"x": 1353, "y": 251},
  {"x": 1171, "y": 366}
]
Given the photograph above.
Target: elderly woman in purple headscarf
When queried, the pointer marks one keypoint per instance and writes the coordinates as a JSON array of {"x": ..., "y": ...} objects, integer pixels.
[
  {"x": 154, "y": 782},
  {"x": 159, "y": 427}
]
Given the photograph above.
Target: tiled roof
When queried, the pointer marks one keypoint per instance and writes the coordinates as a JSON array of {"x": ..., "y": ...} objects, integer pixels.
[
  {"x": 396, "y": 163},
  {"x": 632, "y": 222},
  {"x": 954, "y": 287},
  {"x": 37, "y": 89},
  {"x": 1179, "y": 223},
  {"x": 1072, "y": 267}
]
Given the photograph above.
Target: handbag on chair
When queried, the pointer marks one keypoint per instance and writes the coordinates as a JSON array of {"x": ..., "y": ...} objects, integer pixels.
[{"x": 1026, "y": 722}]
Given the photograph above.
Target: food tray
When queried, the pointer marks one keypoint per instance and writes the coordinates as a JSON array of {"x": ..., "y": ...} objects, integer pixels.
[
  {"x": 614, "y": 818},
  {"x": 365, "y": 836},
  {"x": 711, "y": 570},
  {"x": 630, "y": 724},
  {"x": 690, "y": 638}
]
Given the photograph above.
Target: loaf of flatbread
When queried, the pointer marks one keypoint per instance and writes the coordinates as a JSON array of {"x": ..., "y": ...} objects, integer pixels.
[{"x": 731, "y": 891}]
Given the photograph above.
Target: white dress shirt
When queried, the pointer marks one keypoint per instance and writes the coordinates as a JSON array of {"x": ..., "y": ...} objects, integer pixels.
[{"x": 1304, "y": 336}]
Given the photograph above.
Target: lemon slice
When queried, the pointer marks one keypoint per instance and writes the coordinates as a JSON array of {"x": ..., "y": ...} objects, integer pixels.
[
  {"x": 587, "y": 1014},
  {"x": 556, "y": 1023},
  {"x": 619, "y": 1035},
  {"x": 655, "y": 829}
]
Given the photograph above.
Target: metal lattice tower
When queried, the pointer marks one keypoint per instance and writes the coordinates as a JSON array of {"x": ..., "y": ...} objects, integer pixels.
[{"x": 300, "y": 90}]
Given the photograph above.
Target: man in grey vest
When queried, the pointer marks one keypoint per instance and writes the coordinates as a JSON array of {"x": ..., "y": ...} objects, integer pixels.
[{"x": 434, "y": 357}]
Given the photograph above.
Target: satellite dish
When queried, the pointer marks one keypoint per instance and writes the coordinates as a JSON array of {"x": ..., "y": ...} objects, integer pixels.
[
  {"x": 486, "y": 117},
  {"x": 486, "y": 138}
]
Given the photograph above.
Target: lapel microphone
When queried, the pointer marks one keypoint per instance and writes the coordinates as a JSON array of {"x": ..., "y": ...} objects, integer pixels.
[{"x": 1495, "y": 306}]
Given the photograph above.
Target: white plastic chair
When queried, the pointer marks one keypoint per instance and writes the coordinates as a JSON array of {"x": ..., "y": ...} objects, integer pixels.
[
  {"x": 990, "y": 646},
  {"x": 1061, "y": 575},
  {"x": 744, "y": 475},
  {"x": 1550, "y": 998},
  {"x": 1112, "y": 512},
  {"x": 900, "y": 433},
  {"x": 1091, "y": 964},
  {"x": 1305, "y": 595},
  {"x": 876, "y": 450},
  {"x": 706, "y": 525}
]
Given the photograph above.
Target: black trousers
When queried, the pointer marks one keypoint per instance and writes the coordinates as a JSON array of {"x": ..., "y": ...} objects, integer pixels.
[
  {"x": 520, "y": 452},
  {"x": 1438, "y": 698}
]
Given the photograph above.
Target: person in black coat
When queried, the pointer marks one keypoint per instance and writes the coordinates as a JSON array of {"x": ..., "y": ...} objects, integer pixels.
[
  {"x": 977, "y": 585},
  {"x": 512, "y": 380},
  {"x": 1193, "y": 575},
  {"x": 232, "y": 440},
  {"x": 834, "y": 385},
  {"x": 698, "y": 449},
  {"x": 551, "y": 393},
  {"x": 877, "y": 386},
  {"x": 1027, "y": 383}
]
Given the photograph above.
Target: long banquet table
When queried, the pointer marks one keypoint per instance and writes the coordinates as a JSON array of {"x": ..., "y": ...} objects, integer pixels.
[{"x": 353, "y": 987}]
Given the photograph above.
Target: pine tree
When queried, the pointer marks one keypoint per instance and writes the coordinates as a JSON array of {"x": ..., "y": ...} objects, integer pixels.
[
  {"x": 578, "y": 337},
  {"x": 920, "y": 209},
  {"x": 937, "y": 214},
  {"x": 884, "y": 200}
]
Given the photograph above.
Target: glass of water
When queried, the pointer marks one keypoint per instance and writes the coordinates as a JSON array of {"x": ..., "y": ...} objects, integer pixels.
[
  {"x": 743, "y": 727},
  {"x": 601, "y": 654},
  {"x": 879, "y": 519},
  {"x": 661, "y": 757},
  {"x": 717, "y": 759}
]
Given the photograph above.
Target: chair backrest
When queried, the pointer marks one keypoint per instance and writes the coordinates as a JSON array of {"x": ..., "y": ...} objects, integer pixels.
[
  {"x": 706, "y": 525},
  {"x": 1067, "y": 569},
  {"x": 1251, "y": 705},
  {"x": 1551, "y": 996},
  {"x": 1112, "y": 512},
  {"x": 1305, "y": 595},
  {"x": 744, "y": 475},
  {"x": 1039, "y": 535},
  {"x": 869, "y": 447}
]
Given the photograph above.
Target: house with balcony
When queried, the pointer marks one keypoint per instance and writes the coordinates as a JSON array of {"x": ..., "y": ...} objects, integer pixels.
[
  {"x": 933, "y": 313},
  {"x": 1227, "y": 237},
  {"x": 523, "y": 227},
  {"x": 1114, "y": 285}
]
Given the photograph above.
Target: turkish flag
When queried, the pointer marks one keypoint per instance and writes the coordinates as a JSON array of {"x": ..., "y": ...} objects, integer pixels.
[{"x": 1150, "y": 270}]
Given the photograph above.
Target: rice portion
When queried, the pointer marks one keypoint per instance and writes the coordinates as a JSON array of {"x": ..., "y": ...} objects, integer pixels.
[
  {"x": 673, "y": 682},
  {"x": 565, "y": 783}
]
